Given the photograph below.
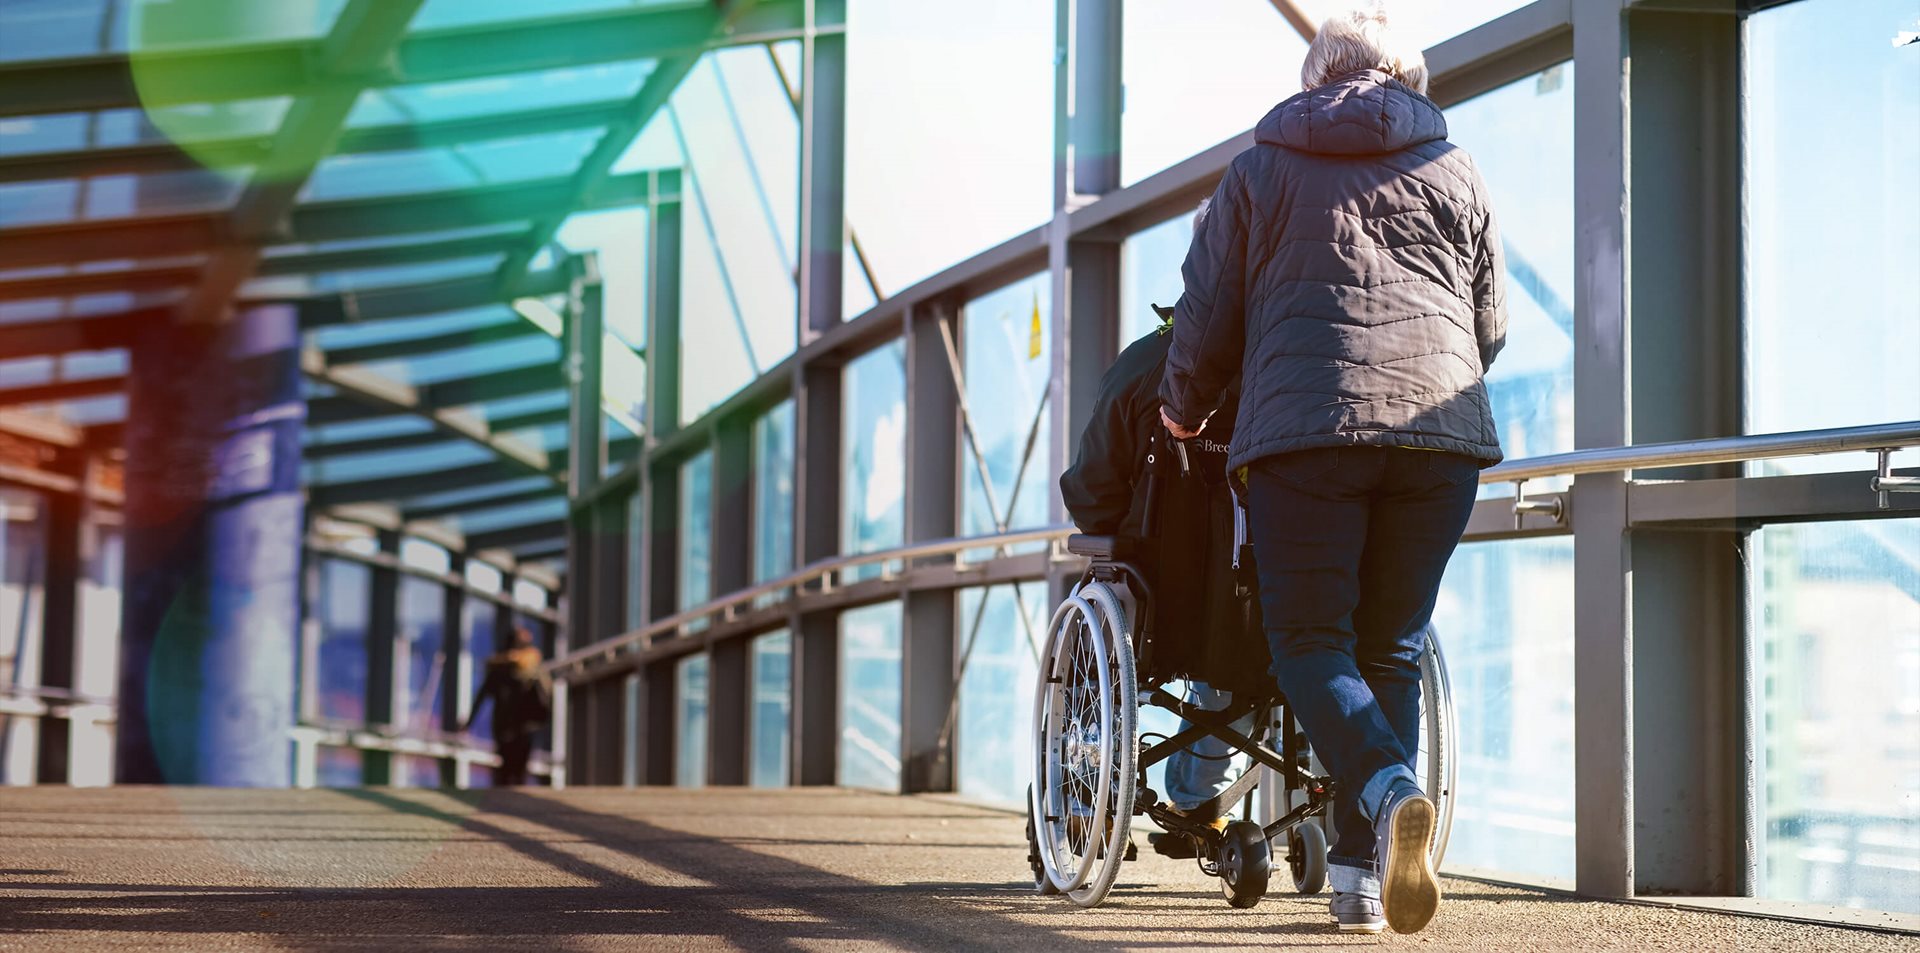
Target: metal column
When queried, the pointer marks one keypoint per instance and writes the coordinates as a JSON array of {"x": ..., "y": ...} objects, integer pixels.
[
  {"x": 61, "y": 620},
  {"x": 1688, "y": 594},
  {"x": 729, "y": 696},
  {"x": 382, "y": 644},
  {"x": 214, "y": 529},
  {"x": 823, "y": 155},
  {"x": 933, "y": 506},
  {"x": 1603, "y": 643},
  {"x": 455, "y": 671},
  {"x": 816, "y": 651}
]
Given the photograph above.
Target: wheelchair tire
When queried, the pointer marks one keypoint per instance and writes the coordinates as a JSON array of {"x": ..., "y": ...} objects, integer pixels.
[
  {"x": 1246, "y": 864},
  {"x": 1085, "y": 706},
  {"x": 1307, "y": 857},
  {"x": 1439, "y": 758}
]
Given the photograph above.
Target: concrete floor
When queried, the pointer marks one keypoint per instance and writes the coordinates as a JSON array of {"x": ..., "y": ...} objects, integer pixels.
[{"x": 185, "y": 869}]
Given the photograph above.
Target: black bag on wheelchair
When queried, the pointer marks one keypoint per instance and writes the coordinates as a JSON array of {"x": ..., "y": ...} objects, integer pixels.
[{"x": 1205, "y": 621}]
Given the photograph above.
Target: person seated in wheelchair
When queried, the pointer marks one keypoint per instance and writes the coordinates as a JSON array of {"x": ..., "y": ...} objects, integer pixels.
[{"x": 1105, "y": 494}]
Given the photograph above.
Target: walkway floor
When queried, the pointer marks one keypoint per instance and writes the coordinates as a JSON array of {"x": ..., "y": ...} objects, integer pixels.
[{"x": 185, "y": 869}]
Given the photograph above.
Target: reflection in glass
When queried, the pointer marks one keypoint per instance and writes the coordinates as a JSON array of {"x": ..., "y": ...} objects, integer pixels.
[
  {"x": 870, "y": 697},
  {"x": 422, "y": 618},
  {"x": 773, "y": 466},
  {"x": 1504, "y": 617},
  {"x": 948, "y": 100},
  {"x": 994, "y": 737},
  {"x": 337, "y": 766},
  {"x": 696, "y": 531},
  {"x": 1838, "y": 688},
  {"x": 771, "y": 730},
  {"x": 1521, "y": 137},
  {"x": 1833, "y": 214},
  {"x": 874, "y": 395},
  {"x": 690, "y": 721},
  {"x": 480, "y": 641},
  {"x": 1008, "y": 355},
  {"x": 23, "y": 538}
]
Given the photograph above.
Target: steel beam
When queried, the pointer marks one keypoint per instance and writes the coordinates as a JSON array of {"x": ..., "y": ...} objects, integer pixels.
[
  {"x": 136, "y": 281},
  {"x": 511, "y": 536},
  {"x": 1692, "y": 828},
  {"x": 823, "y": 133},
  {"x": 583, "y": 339},
  {"x": 509, "y": 498},
  {"x": 412, "y": 484},
  {"x": 60, "y": 335},
  {"x": 933, "y": 512},
  {"x": 1603, "y": 570},
  {"x": 62, "y": 391},
  {"x": 384, "y": 255},
  {"x": 512, "y": 329}
]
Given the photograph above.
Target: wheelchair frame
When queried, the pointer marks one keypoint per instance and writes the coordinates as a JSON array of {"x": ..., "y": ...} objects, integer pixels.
[{"x": 1064, "y": 855}]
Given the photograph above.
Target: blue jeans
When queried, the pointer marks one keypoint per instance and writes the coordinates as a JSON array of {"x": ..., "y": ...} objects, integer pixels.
[
  {"x": 1352, "y": 543},
  {"x": 1203, "y": 770}
]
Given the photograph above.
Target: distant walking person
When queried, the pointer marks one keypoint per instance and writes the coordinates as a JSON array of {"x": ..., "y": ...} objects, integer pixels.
[
  {"x": 522, "y": 702},
  {"x": 1348, "y": 275}
]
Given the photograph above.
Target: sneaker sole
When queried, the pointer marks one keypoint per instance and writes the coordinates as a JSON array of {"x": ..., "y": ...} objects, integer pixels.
[
  {"x": 1366, "y": 928},
  {"x": 1409, "y": 890}
]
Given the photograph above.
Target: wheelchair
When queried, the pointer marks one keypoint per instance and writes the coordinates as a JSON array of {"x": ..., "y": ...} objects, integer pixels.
[{"x": 1179, "y": 602}]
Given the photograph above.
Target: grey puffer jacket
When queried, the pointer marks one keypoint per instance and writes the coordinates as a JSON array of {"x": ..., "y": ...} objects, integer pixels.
[{"x": 1348, "y": 270}]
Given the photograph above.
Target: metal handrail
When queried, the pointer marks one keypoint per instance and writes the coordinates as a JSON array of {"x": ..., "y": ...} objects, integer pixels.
[{"x": 1878, "y": 437}]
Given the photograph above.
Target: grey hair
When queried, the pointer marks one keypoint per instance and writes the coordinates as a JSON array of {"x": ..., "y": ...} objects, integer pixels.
[{"x": 1358, "y": 39}]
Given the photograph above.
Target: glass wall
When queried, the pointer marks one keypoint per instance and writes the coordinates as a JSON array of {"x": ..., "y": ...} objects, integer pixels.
[
  {"x": 690, "y": 721},
  {"x": 1001, "y": 628},
  {"x": 870, "y": 697},
  {"x": 770, "y": 735},
  {"x": 1505, "y": 620},
  {"x": 1838, "y": 690},
  {"x": 1008, "y": 349},
  {"x": 1173, "y": 109},
  {"x": 696, "y": 532},
  {"x": 874, "y": 398},
  {"x": 422, "y": 619},
  {"x": 1833, "y": 323},
  {"x": 481, "y": 641},
  {"x": 345, "y": 598},
  {"x": 23, "y": 540},
  {"x": 1150, "y": 263},
  {"x": 1521, "y": 137},
  {"x": 773, "y": 467},
  {"x": 951, "y": 102}
]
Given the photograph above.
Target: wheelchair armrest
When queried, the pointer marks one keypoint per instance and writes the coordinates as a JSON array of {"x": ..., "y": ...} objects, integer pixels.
[{"x": 1100, "y": 547}]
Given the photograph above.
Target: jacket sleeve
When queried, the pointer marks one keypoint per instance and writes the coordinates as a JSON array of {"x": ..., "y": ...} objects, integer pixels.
[
  {"x": 1489, "y": 279},
  {"x": 1209, "y": 322},
  {"x": 1098, "y": 487}
]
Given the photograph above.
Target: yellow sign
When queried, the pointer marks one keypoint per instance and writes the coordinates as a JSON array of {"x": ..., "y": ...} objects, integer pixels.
[{"x": 1034, "y": 332}]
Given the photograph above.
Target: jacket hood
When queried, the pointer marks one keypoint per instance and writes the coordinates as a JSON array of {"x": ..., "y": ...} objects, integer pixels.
[{"x": 1364, "y": 113}]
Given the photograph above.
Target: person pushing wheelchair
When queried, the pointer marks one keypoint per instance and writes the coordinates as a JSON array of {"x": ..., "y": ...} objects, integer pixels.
[{"x": 1345, "y": 289}]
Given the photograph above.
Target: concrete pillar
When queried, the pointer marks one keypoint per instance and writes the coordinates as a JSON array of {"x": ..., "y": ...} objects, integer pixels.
[{"x": 214, "y": 517}]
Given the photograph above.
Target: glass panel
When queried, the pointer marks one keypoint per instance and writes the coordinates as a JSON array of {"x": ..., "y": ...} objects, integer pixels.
[
  {"x": 951, "y": 102},
  {"x": 479, "y": 641},
  {"x": 870, "y": 697},
  {"x": 732, "y": 119},
  {"x": 772, "y": 730},
  {"x": 154, "y": 24},
  {"x": 386, "y": 276},
  {"x": 773, "y": 465},
  {"x": 1839, "y": 693},
  {"x": 623, "y": 377},
  {"x": 442, "y": 14},
  {"x": 637, "y": 614},
  {"x": 1504, "y": 618},
  {"x": 1174, "y": 110},
  {"x": 23, "y": 540},
  {"x": 1521, "y": 137},
  {"x": 345, "y": 588},
  {"x": 337, "y": 767},
  {"x": 1150, "y": 262},
  {"x": 696, "y": 532},
  {"x": 467, "y": 98},
  {"x": 406, "y": 329},
  {"x": 367, "y": 175},
  {"x": 1833, "y": 322},
  {"x": 619, "y": 237},
  {"x": 690, "y": 722},
  {"x": 1008, "y": 348},
  {"x": 999, "y": 652},
  {"x": 874, "y": 398},
  {"x": 422, "y": 617}
]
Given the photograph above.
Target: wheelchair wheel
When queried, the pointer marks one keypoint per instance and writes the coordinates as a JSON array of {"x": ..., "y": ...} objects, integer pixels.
[
  {"x": 1246, "y": 863},
  {"x": 1307, "y": 857},
  {"x": 1439, "y": 761},
  {"x": 1084, "y": 775}
]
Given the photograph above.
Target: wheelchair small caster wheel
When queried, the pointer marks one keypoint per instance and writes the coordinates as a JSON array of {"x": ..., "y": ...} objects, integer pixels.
[
  {"x": 1246, "y": 863},
  {"x": 1042, "y": 885},
  {"x": 1307, "y": 856}
]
